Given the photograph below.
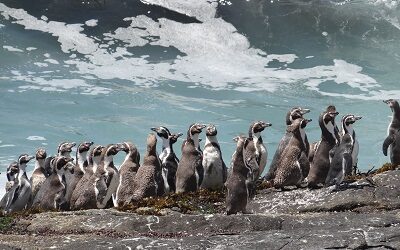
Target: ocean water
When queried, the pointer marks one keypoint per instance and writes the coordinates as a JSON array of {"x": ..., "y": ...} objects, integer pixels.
[{"x": 107, "y": 71}]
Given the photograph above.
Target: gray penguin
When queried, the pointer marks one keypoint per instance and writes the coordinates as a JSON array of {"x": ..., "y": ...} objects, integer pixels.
[
  {"x": 127, "y": 173},
  {"x": 17, "y": 198},
  {"x": 189, "y": 174},
  {"x": 392, "y": 141},
  {"x": 289, "y": 170},
  {"x": 293, "y": 114},
  {"x": 215, "y": 171},
  {"x": 342, "y": 162},
  {"x": 52, "y": 193},
  {"x": 237, "y": 194},
  {"x": 322, "y": 156},
  {"x": 148, "y": 179},
  {"x": 347, "y": 128}
]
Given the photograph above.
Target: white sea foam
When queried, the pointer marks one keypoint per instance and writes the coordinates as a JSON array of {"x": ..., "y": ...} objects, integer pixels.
[
  {"x": 216, "y": 55},
  {"x": 35, "y": 138},
  {"x": 52, "y": 61},
  {"x": 11, "y": 48},
  {"x": 31, "y": 48},
  {"x": 91, "y": 22}
]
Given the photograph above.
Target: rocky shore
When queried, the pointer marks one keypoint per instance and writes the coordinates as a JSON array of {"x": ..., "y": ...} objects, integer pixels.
[{"x": 366, "y": 214}]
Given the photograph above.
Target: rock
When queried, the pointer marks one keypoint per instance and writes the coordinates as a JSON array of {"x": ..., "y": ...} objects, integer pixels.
[{"x": 358, "y": 217}]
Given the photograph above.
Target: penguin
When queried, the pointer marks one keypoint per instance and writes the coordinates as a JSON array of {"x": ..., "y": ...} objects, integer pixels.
[
  {"x": 108, "y": 182},
  {"x": 215, "y": 171},
  {"x": 52, "y": 194},
  {"x": 39, "y": 174},
  {"x": 322, "y": 156},
  {"x": 81, "y": 164},
  {"x": 260, "y": 151},
  {"x": 291, "y": 116},
  {"x": 127, "y": 173},
  {"x": 392, "y": 141},
  {"x": 169, "y": 161},
  {"x": 189, "y": 174},
  {"x": 342, "y": 162},
  {"x": 289, "y": 170},
  {"x": 84, "y": 196},
  {"x": 237, "y": 194},
  {"x": 347, "y": 128},
  {"x": 17, "y": 198},
  {"x": 12, "y": 172},
  {"x": 148, "y": 180},
  {"x": 63, "y": 149}
]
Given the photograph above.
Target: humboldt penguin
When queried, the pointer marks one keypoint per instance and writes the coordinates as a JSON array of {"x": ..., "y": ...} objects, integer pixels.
[
  {"x": 342, "y": 162},
  {"x": 63, "y": 149},
  {"x": 81, "y": 164},
  {"x": 17, "y": 198},
  {"x": 148, "y": 180},
  {"x": 289, "y": 170},
  {"x": 189, "y": 174},
  {"x": 52, "y": 194},
  {"x": 12, "y": 172},
  {"x": 108, "y": 179},
  {"x": 260, "y": 151},
  {"x": 169, "y": 161},
  {"x": 291, "y": 116},
  {"x": 347, "y": 128},
  {"x": 392, "y": 141},
  {"x": 39, "y": 174},
  {"x": 127, "y": 173},
  {"x": 322, "y": 156},
  {"x": 237, "y": 195},
  {"x": 215, "y": 171},
  {"x": 84, "y": 196}
]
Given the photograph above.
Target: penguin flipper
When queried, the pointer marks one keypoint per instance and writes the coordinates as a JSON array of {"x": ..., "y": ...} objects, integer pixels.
[
  {"x": 347, "y": 163},
  {"x": 388, "y": 141},
  {"x": 224, "y": 172}
]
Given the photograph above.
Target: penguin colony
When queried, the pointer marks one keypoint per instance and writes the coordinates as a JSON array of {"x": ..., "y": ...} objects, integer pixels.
[{"x": 91, "y": 180}]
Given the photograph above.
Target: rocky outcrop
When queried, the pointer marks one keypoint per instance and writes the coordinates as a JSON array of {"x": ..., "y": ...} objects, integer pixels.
[{"x": 366, "y": 214}]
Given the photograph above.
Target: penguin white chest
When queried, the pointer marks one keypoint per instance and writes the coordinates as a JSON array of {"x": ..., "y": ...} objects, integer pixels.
[
  {"x": 212, "y": 164},
  {"x": 263, "y": 155}
]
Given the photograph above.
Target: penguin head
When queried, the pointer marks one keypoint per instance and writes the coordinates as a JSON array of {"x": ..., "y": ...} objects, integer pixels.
[
  {"x": 329, "y": 115},
  {"x": 392, "y": 104},
  {"x": 130, "y": 148},
  {"x": 61, "y": 163},
  {"x": 295, "y": 113},
  {"x": 298, "y": 124},
  {"x": 211, "y": 130},
  {"x": 349, "y": 119},
  {"x": 24, "y": 159},
  {"x": 258, "y": 127},
  {"x": 84, "y": 147},
  {"x": 195, "y": 128},
  {"x": 162, "y": 132},
  {"x": 41, "y": 154},
  {"x": 65, "y": 147},
  {"x": 113, "y": 149},
  {"x": 96, "y": 153},
  {"x": 12, "y": 171},
  {"x": 174, "y": 137}
]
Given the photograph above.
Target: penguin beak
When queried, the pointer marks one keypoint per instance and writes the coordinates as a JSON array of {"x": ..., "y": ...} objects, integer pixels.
[
  {"x": 386, "y": 101},
  {"x": 154, "y": 129},
  {"x": 304, "y": 111},
  {"x": 357, "y": 118},
  {"x": 308, "y": 120},
  {"x": 179, "y": 135},
  {"x": 202, "y": 126},
  {"x": 73, "y": 144},
  {"x": 121, "y": 147},
  {"x": 333, "y": 114},
  {"x": 267, "y": 124},
  {"x": 30, "y": 158}
]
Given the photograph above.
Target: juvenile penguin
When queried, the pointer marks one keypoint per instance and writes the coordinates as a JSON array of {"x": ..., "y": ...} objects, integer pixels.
[
  {"x": 12, "y": 173},
  {"x": 84, "y": 196},
  {"x": 289, "y": 170},
  {"x": 392, "y": 140},
  {"x": 148, "y": 178},
  {"x": 17, "y": 198},
  {"x": 329, "y": 138},
  {"x": 109, "y": 183},
  {"x": 237, "y": 194},
  {"x": 169, "y": 161},
  {"x": 52, "y": 194},
  {"x": 127, "y": 173},
  {"x": 80, "y": 168},
  {"x": 347, "y": 128},
  {"x": 260, "y": 152},
  {"x": 189, "y": 174},
  {"x": 215, "y": 171},
  {"x": 293, "y": 114},
  {"x": 39, "y": 174},
  {"x": 341, "y": 164}
]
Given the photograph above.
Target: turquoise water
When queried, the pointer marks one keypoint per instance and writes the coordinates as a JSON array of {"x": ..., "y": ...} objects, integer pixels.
[{"x": 107, "y": 73}]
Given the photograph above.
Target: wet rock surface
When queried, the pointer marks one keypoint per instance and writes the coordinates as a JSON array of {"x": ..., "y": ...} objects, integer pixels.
[{"x": 364, "y": 215}]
